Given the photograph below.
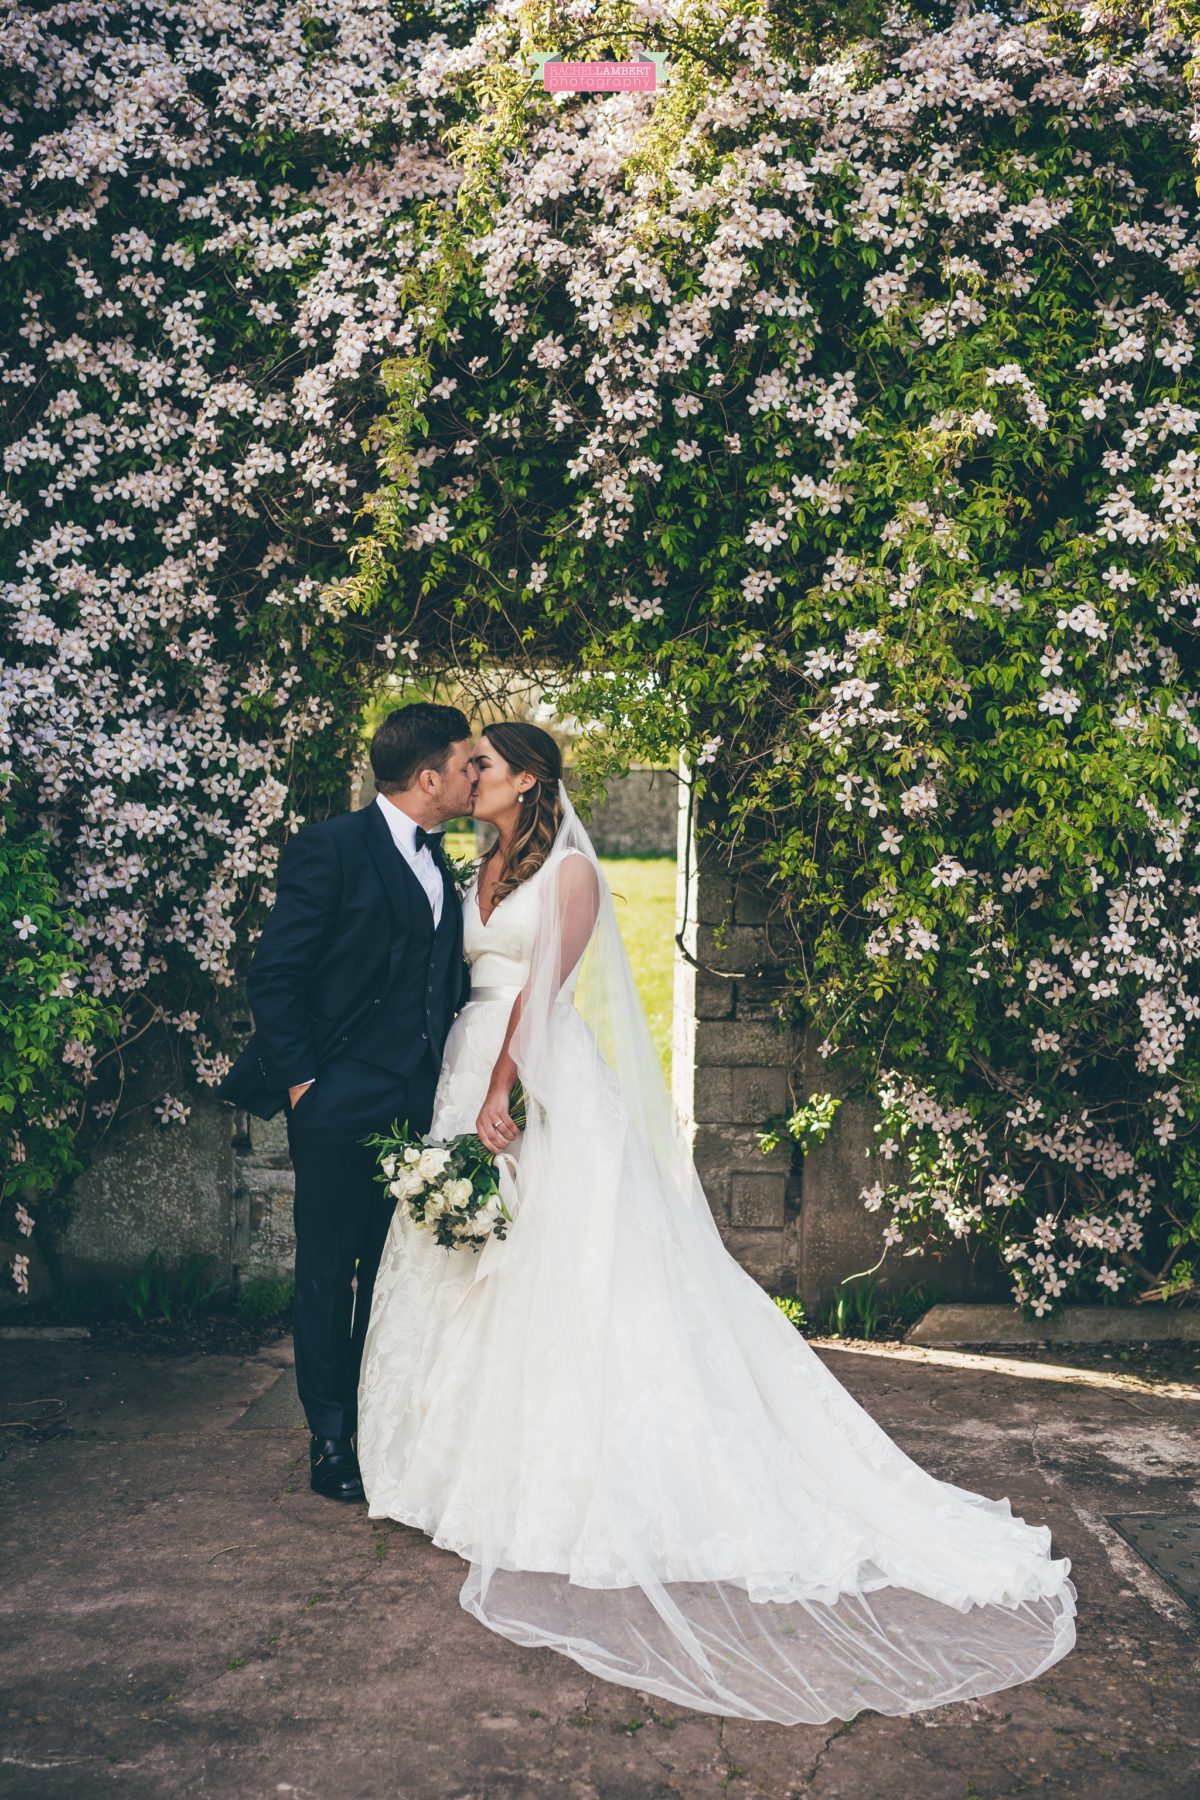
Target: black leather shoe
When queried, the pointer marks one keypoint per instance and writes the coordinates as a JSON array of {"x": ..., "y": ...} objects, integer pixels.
[{"x": 334, "y": 1469}]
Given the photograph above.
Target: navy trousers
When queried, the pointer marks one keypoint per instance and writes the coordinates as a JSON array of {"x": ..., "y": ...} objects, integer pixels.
[{"x": 342, "y": 1213}]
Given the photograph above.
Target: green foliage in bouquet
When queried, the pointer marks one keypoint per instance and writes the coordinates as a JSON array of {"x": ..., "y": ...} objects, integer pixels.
[{"x": 450, "y": 1186}]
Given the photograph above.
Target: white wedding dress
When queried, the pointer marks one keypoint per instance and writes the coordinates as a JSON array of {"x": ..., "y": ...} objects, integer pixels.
[{"x": 645, "y": 1465}]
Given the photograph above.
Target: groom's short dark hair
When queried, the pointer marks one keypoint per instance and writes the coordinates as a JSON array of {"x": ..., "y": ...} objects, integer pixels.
[{"x": 413, "y": 738}]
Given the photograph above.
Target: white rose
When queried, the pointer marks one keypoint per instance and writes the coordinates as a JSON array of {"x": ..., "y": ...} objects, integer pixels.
[
  {"x": 406, "y": 1186},
  {"x": 458, "y": 1192},
  {"x": 432, "y": 1163},
  {"x": 388, "y": 1165},
  {"x": 412, "y": 1154}
]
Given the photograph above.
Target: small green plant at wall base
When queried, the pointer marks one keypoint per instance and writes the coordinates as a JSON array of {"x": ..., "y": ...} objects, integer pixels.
[
  {"x": 140, "y": 1291},
  {"x": 195, "y": 1286},
  {"x": 855, "y": 1313},
  {"x": 907, "y": 1305},
  {"x": 868, "y": 1311},
  {"x": 155, "y": 1293},
  {"x": 263, "y": 1299},
  {"x": 808, "y": 1125},
  {"x": 791, "y": 1309}
]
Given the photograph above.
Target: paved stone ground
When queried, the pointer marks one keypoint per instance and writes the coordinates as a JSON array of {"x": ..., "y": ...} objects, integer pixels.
[{"x": 181, "y": 1616}]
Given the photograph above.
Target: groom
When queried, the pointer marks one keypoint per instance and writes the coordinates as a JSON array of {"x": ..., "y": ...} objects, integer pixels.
[{"x": 354, "y": 983}]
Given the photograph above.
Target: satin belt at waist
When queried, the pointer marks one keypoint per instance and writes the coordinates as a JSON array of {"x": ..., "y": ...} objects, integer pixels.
[{"x": 493, "y": 993}]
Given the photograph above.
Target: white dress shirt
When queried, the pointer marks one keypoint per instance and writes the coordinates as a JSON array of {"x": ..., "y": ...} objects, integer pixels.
[{"x": 404, "y": 836}]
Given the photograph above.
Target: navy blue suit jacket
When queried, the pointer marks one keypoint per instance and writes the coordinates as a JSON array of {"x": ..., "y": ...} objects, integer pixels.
[{"x": 350, "y": 924}]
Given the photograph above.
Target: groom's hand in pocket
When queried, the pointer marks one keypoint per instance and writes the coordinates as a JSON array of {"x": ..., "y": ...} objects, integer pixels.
[{"x": 294, "y": 1093}]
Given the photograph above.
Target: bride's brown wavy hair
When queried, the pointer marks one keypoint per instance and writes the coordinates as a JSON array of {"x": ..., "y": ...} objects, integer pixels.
[{"x": 528, "y": 750}]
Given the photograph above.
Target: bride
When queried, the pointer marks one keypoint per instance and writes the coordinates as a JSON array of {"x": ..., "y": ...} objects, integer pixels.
[{"x": 643, "y": 1463}]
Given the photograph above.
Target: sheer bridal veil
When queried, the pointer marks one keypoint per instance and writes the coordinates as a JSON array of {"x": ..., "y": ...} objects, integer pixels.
[{"x": 695, "y": 1507}]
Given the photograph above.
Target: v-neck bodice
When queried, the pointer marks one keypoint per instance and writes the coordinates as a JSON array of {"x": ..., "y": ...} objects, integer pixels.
[{"x": 499, "y": 949}]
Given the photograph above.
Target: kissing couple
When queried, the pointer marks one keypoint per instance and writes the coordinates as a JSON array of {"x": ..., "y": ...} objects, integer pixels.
[{"x": 640, "y": 1460}]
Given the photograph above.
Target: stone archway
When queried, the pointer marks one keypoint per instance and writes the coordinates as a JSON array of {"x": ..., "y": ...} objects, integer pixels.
[{"x": 640, "y": 817}]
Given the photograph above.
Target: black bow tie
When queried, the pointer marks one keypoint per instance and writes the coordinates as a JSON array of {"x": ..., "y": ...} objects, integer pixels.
[{"x": 432, "y": 838}]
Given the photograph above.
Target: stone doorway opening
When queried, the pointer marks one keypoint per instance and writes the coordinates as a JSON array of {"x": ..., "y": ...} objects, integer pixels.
[{"x": 635, "y": 829}]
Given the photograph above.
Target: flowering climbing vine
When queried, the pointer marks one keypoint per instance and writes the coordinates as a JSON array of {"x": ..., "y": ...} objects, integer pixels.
[
  {"x": 207, "y": 229},
  {"x": 831, "y": 415},
  {"x": 839, "y": 413}
]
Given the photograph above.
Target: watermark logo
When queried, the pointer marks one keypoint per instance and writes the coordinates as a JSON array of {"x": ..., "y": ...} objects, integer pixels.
[{"x": 642, "y": 75}]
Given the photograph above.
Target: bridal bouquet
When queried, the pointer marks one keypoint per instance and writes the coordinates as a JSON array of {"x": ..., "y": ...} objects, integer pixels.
[{"x": 450, "y": 1186}]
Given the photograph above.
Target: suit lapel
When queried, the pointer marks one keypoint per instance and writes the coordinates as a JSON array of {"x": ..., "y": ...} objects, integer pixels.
[
  {"x": 451, "y": 906},
  {"x": 403, "y": 888}
]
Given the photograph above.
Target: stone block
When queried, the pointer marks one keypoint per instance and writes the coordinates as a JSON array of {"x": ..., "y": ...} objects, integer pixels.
[
  {"x": 716, "y": 1192},
  {"x": 742, "y": 1043},
  {"x": 721, "y": 1149},
  {"x": 264, "y": 1237},
  {"x": 713, "y": 896},
  {"x": 740, "y": 949},
  {"x": 757, "y": 1200},
  {"x": 757, "y": 999},
  {"x": 982, "y": 1324},
  {"x": 712, "y": 1095},
  {"x": 764, "y": 1255},
  {"x": 264, "y": 1180},
  {"x": 752, "y": 903},
  {"x": 713, "y": 997},
  {"x": 714, "y": 1151},
  {"x": 757, "y": 1094}
]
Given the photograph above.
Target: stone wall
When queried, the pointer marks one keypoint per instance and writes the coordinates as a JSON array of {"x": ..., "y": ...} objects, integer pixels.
[
  {"x": 639, "y": 815},
  {"x": 794, "y": 1221},
  {"x": 732, "y": 1064},
  {"x": 151, "y": 1186}
]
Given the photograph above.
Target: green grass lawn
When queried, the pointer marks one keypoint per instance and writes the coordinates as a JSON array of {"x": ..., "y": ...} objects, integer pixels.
[
  {"x": 643, "y": 890},
  {"x": 644, "y": 896}
]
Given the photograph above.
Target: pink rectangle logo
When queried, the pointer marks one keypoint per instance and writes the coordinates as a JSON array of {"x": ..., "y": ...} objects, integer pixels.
[{"x": 641, "y": 76}]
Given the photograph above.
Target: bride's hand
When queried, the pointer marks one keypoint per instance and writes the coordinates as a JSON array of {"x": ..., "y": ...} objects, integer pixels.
[{"x": 494, "y": 1127}]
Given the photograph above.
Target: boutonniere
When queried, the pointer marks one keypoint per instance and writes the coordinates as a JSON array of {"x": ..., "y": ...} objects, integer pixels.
[{"x": 461, "y": 870}]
